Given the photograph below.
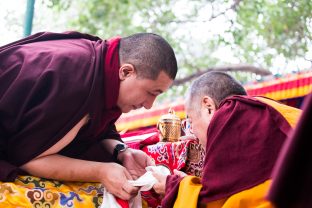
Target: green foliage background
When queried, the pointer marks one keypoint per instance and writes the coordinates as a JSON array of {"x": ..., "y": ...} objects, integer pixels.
[{"x": 252, "y": 31}]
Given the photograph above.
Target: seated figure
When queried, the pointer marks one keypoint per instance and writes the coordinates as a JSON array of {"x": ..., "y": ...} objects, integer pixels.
[
  {"x": 242, "y": 137},
  {"x": 292, "y": 173}
]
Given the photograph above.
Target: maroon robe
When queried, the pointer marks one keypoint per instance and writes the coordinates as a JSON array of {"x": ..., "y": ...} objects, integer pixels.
[
  {"x": 243, "y": 142},
  {"x": 48, "y": 83},
  {"x": 292, "y": 184}
]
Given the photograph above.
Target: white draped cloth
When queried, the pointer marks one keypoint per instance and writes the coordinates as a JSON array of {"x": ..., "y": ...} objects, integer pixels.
[{"x": 146, "y": 182}]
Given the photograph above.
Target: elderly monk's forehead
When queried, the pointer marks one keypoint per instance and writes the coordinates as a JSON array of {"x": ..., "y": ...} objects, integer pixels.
[
  {"x": 188, "y": 107},
  {"x": 192, "y": 105}
]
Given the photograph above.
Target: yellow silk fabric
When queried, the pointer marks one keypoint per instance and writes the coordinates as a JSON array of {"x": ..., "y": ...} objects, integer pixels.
[
  {"x": 291, "y": 114},
  {"x": 250, "y": 198},
  {"x": 29, "y": 191},
  {"x": 189, "y": 189}
]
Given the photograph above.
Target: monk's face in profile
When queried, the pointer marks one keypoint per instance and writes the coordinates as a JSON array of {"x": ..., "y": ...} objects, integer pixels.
[
  {"x": 200, "y": 114},
  {"x": 137, "y": 92}
]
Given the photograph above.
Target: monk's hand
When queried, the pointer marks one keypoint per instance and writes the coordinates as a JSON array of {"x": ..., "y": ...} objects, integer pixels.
[
  {"x": 179, "y": 173},
  {"x": 160, "y": 186},
  {"x": 114, "y": 178},
  {"x": 135, "y": 161}
]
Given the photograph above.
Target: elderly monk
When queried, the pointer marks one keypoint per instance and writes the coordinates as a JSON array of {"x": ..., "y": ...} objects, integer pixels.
[
  {"x": 60, "y": 94},
  {"x": 242, "y": 136}
]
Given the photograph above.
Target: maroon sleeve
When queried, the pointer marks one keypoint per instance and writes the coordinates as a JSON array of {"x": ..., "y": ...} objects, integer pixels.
[
  {"x": 112, "y": 133},
  {"x": 97, "y": 151},
  {"x": 172, "y": 189},
  {"x": 40, "y": 100},
  {"x": 49, "y": 82},
  {"x": 9, "y": 172},
  {"x": 292, "y": 176}
]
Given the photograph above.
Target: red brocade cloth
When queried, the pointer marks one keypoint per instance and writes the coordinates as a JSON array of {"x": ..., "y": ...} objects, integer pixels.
[{"x": 187, "y": 156}]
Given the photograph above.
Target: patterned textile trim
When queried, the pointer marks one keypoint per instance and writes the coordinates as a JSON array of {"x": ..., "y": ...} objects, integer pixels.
[{"x": 29, "y": 191}]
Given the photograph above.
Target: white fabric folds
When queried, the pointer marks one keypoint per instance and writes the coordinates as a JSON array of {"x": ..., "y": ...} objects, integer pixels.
[{"x": 146, "y": 182}]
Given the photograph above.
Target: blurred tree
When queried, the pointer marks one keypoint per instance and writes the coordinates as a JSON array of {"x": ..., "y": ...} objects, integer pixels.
[
  {"x": 269, "y": 28},
  {"x": 206, "y": 34}
]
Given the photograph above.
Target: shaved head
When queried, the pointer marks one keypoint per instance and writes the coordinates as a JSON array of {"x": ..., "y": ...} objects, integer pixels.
[
  {"x": 149, "y": 54},
  {"x": 217, "y": 85}
]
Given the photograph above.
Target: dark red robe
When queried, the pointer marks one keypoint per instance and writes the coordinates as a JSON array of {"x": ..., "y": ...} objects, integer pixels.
[
  {"x": 292, "y": 176},
  {"x": 48, "y": 83},
  {"x": 243, "y": 142}
]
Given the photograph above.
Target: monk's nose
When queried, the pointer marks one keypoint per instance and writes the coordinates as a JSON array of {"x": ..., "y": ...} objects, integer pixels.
[{"x": 148, "y": 103}]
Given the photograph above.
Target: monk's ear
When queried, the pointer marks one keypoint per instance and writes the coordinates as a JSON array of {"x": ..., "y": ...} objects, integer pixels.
[
  {"x": 208, "y": 104},
  {"x": 126, "y": 70}
]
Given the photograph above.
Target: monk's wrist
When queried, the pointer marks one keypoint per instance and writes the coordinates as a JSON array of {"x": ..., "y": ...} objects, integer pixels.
[
  {"x": 119, "y": 149},
  {"x": 122, "y": 155}
]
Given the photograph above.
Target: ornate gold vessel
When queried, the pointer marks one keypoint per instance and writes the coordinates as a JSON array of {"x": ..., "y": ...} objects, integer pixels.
[{"x": 169, "y": 126}]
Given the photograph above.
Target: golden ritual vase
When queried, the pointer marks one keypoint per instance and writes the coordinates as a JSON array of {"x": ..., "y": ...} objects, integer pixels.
[{"x": 169, "y": 126}]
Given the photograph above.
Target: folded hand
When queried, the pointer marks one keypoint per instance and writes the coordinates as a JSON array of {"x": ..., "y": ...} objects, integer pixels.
[
  {"x": 114, "y": 178},
  {"x": 135, "y": 161}
]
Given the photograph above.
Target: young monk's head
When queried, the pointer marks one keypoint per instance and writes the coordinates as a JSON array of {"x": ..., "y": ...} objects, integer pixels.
[
  {"x": 148, "y": 67},
  {"x": 204, "y": 96}
]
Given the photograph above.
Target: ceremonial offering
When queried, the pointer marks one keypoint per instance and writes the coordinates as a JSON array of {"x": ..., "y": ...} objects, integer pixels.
[{"x": 169, "y": 126}]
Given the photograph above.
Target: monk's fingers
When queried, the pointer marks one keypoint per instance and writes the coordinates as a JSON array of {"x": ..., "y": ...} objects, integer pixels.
[
  {"x": 123, "y": 195},
  {"x": 133, "y": 190},
  {"x": 159, "y": 177},
  {"x": 136, "y": 171},
  {"x": 125, "y": 192},
  {"x": 135, "y": 174},
  {"x": 129, "y": 189},
  {"x": 150, "y": 161},
  {"x": 179, "y": 173},
  {"x": 128, "y": 175},
  {"x": 160, "y": 186}
]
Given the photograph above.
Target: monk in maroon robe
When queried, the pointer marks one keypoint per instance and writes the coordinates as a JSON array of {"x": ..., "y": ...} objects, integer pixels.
[
  {"x": 293, "y": 172},
  {"x": 60, "y": 94},
  {"x": 242, "y": 136}
]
